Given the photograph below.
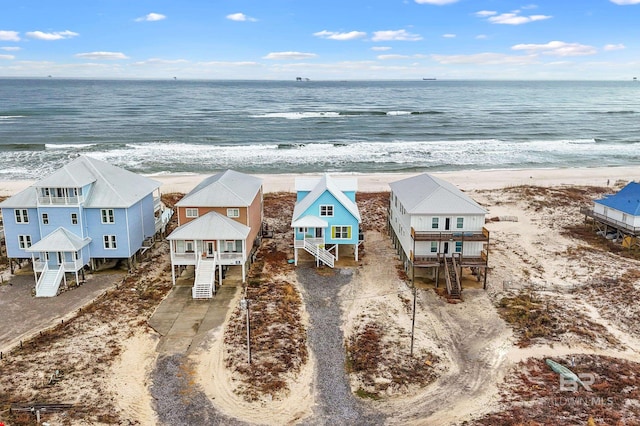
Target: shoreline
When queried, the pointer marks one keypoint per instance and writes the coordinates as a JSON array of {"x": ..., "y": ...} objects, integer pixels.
[{"x": 379, "y": 182}]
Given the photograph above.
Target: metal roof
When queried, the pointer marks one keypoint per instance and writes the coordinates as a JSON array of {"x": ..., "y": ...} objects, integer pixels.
[
  {"x": 427, "y": 194},
  {"x": 60, "y": 240},
  {"x": 310, "y": 222},
  {"x": 627, "y": 200},
  {"x": 211, "y": 226},
  {"x": 322, "y": 184},
  {"x": 112, "y": 187},
  {"x": 225, "y": 189}
]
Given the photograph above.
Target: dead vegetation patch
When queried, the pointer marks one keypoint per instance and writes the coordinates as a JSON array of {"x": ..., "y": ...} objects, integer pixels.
[
  {"x": 278, "y": 340},
  {"x": 540, "y": 198},
  {"x": 532, "y": 394},
  {"x": 372, "y": 356},
  {"x": 373, "y": 207},
  {"x": 538, "y": 319}
]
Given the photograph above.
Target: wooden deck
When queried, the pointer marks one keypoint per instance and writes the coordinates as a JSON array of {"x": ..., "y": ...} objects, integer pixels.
[
  {"x": 450, "y": 235},
  {"x": 616, "y": 224}
]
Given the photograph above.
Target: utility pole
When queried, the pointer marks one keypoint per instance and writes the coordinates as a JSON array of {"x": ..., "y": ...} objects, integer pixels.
[{"x": 244, "y": 305}]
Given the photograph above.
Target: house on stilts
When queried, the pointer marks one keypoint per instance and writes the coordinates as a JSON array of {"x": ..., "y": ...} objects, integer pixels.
[
  {"x": 83, "y": 215},
  {"x": 435, "y": 226},
  {"x": 326, "y": 218},
  {"x": 617, "y": 216},
  {"x": 219, "y": 226}
]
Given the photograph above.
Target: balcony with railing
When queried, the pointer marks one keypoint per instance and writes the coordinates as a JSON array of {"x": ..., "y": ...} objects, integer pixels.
[
  {"x": 72, "y": 266},
  {"x": 231, "y": 258},
  {"x": 623, "y": 226},
  {"x": 450, "y": 235}
]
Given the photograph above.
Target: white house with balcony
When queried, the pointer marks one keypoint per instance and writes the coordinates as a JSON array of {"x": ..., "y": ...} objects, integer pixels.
[
  {"x": 435, "y": 225},
  {"x": 83, "y": 214}
]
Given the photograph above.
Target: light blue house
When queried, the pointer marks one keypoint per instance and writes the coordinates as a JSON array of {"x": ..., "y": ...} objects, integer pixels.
[
  {"x": 325, "y": 217},
  {"x": 83, "y": 214}
]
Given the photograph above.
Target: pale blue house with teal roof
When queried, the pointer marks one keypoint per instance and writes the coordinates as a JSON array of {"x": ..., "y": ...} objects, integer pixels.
[
  {"x": 83, "y": 214},
  {"x": 326, "y": 217},
  {"x": 619, "y": 213}
]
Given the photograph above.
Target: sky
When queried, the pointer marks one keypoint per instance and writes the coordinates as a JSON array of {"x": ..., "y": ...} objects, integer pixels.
[{"x": 321, "y": 40}]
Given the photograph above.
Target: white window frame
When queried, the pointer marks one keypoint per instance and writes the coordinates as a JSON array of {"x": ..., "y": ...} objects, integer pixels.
[
  {"x": 107, "y": 216},
  {"x": 45, "y": 218},
  {"x": 22, "y": 216},
  {"x": 460, "y": 223},
  {"x": 189, "y": 246},
  {"x": 302, "y": 231},
  {"x": 340, "y": 229},
  {"x": 233, "y": 212},
  {"x": 458, "y": 247},
  {"x": 74, "y": 221},
  {"x": 24, "y": 241},
  {"x": 434, "y": 246},
  {"x": 109, "y": 242},
  {"x": 326, "y": 210},
  {"x": 191, "y": 212},
  {"x": 435, "y": 223}
]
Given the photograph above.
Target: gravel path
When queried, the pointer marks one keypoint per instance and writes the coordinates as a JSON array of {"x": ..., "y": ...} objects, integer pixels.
[
  {"x": 336, "y": 403},
  {"x": 179, "y": 401}
]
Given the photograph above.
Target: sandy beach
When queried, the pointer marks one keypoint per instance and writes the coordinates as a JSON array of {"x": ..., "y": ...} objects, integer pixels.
[
  {"x": 466, "y": 180},
  {"x": 479, "y": 355}
]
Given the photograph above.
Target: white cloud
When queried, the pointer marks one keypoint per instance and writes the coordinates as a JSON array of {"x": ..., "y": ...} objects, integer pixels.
[
  {"x": 158, "y": 61},
  {"x": 290, "y": 55},
  {"x": 380, "y": 48},
  {"x": 610, "y": 47},
  {"x": 102, "y": 55},
  {"x": 436, "y": 2},
  {"x": 397, "y": 35},
  {"x": 448, "y": 36},
  {"x": 9, "y": 36},
  {"x": 10, "y": 48},
  {"x": 514, "y": 18},
  {"x": 625, "y": 2},
  {"x": 482, "y": 37},
  {"x": 483, "y": 59},
  {"x": 230, "y": 64},
  {"x": 388, "y": 57},
  {"x": 557, "y": 48},
  {"x": 151, "y": 17},
  {"x": 331, "y": 35},
  {"x": 58, "y": 35},
  {"x": 8, "y": 57},
  {"x": 485, "y": 13},
  {"x": 240, "y": 17}
]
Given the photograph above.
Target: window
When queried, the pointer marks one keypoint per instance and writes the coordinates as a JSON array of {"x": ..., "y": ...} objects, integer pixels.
[
  {"x": 460, "y": 223},
  {"x": 110, "y": 242},
  {"x": 74, "y": 218},
  {"x": 233, "y": 212},
  {"x": 341, "y": 232},
  {"x": 45, "y": 218},
  {"x": 24, "y": 241},
  {"x": 188, "y": 247},
  {"x": 326, "y": 210},
  {"x": 302, "y": 230},
  {"x": 458, "y": 246},
  {"x": 434, "y": 246},
  {"x": 191, "y": 212},
  {"x": 22, "y": 216},
  {"x": 107, "y": 216},
  {"x": 435, "y": 223}
]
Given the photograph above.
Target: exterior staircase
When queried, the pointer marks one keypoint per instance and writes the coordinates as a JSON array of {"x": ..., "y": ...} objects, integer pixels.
[
  {"x": 454, "y": 287},
  {"x": 319, "y": 253},
  {"x": 205, "y": 276},
  {"x": 49, "y": 282}
]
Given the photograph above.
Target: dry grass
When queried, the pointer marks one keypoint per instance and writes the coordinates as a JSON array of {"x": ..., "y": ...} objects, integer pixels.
[
  {"x": 537, "y": 319},
  {"x": 532, "y": 394},
  {"x": 277, "y": 340}
]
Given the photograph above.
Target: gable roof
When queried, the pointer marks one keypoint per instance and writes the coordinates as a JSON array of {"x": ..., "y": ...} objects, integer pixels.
[
  {"x": 627, "y": 200},
  {"x": 225, "y": 189},
  {"x": 211, "y": 226},
  {"x": 112, "y": 186},
  {"x": 426, "y": 194},
  {"x": 60, "y": 240},
  {"x": 323, "y": 184}
]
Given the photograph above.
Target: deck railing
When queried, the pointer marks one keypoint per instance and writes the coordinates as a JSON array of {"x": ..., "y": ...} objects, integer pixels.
[
  {"x": 482, "y": 235},
  {"x": 609, "y": 221}
]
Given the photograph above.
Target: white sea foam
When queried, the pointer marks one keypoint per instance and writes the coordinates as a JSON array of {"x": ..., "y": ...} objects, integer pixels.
[
  {"x": 68, "y": 145},
  {"x": 299, "y": 115}
]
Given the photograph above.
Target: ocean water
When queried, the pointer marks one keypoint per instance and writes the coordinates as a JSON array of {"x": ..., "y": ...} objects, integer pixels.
[{"x": 175, "y": 126}]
